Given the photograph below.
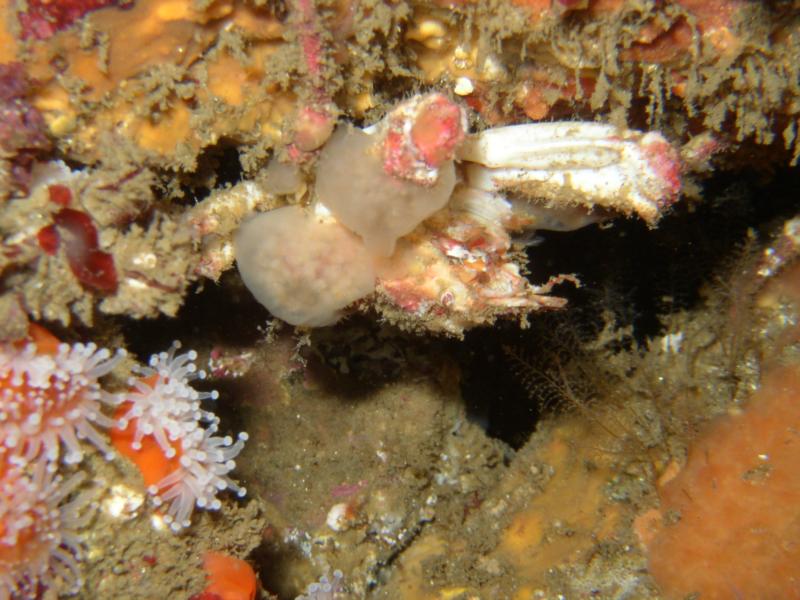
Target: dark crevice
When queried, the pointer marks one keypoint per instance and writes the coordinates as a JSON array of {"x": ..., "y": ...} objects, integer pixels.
[{"x": 638, "y": 274}]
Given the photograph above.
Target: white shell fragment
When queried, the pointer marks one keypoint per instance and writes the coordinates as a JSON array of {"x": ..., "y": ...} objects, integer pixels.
[{"x": 587, "y": 164}]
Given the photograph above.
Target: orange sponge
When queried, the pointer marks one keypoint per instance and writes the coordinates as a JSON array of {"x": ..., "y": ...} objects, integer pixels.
[
  {"x": 46, "y": 342},
  {"x": 729, "y": 522},
  {"x": 229, "y": 578}
]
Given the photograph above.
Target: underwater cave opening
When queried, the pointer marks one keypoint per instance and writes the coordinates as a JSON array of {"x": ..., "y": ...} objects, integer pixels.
[{"x": 215, "y": 313}]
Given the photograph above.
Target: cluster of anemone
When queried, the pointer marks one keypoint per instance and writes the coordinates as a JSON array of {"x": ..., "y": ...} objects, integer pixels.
[
  {"x": 51, "y": 401},
  {"x": 327, "y": 588},
  {"x": 162, "y": 415},
  {"x": 41, "y": 516}
]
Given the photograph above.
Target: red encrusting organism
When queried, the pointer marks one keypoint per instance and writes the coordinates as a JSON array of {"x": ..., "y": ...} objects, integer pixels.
[
  {"x": 229, "y": 578},
  {"x": 43, "y": 18},
  {"x": 59, "y": 194},
  {"x": 92, "y": 267},
  {"x": 48, "y": 239},
  {"x": 23, "y": 136},
  {"x": 729, "y": 522}
]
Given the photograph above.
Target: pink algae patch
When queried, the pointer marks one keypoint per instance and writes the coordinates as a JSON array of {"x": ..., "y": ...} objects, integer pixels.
[{"x": 729, "y": 523}]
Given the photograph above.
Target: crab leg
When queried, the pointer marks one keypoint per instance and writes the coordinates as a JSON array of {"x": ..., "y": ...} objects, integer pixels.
[{"x": 592, "y": 165}]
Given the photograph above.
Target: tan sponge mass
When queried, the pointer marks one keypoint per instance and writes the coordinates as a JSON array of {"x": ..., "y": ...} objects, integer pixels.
[
  {"x": 352, "y": 184},
  {"x": 303, "y": 269}
]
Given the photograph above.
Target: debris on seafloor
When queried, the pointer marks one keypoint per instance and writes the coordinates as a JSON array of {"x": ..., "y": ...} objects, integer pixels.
[{"x": 408, "y": 189}]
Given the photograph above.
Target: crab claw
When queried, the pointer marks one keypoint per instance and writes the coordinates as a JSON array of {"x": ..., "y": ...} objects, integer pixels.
[{"x": 592, "y": 165}]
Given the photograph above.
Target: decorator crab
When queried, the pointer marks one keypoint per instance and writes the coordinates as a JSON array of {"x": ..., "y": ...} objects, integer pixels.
[{"x": 413, "y": 217}]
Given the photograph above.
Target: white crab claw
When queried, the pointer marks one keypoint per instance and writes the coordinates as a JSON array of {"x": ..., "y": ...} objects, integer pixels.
[{"x": 587, "y": 164}]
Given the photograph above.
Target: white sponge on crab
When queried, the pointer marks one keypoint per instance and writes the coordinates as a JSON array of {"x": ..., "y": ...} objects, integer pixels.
[
  {"x": 353, "y": 184},
  {"x": 303, "y": 267}
]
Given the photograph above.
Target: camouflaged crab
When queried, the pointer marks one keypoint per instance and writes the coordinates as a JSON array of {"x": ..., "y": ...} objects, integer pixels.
[{"x": 414, "y": 217}]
